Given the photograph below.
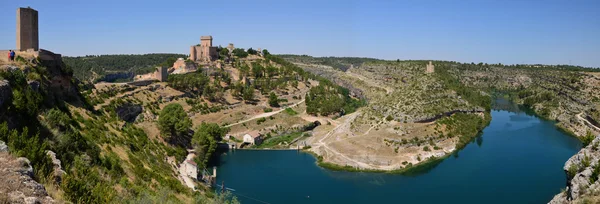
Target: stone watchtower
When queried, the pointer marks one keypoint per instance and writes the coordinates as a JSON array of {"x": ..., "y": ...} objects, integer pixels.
[
  {"x": 205, "y": 52},
  {"x": 27, "y": 29},
  {"x": 430, "y": 68}
]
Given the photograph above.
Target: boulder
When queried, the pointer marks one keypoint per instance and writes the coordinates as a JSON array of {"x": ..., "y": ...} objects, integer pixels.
[
  {"x": 25, "y": 166},
  {"x": 3, "y": 147}
]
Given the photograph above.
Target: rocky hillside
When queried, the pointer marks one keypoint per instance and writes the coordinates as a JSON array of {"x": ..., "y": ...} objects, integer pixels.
[
  {"x": 582, "y": 172},
  {"x": 411, "y": 116},
  {"x": 19, "y": 185}
]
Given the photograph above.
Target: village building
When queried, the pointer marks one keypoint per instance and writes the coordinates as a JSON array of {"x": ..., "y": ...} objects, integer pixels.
[
  {"x": 205, "y": 51},
  {"x": 191, "y": 168},
  {"x": 253, "y": 137}
]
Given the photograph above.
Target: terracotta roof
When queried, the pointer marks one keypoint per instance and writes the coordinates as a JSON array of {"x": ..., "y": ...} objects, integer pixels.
[
  {"x": 191, "y": 162},
  {"x": 254, "y": 133}
]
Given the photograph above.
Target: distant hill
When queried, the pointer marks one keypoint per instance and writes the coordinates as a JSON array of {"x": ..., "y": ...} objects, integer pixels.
[
  {"x": 97, "y": 67},
  {"x": 341, "y": 63}
]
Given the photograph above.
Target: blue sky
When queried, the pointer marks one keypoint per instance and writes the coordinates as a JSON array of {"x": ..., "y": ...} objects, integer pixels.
[{"x": 509, "y": 31}]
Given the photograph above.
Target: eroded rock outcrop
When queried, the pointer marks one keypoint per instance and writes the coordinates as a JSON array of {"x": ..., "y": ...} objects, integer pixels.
[
  {"x": 17, "y": 184},
  {"x": 129, "y": 112},
  {"x": 58, "y": 170},
  {"x": 582, "y": 182}
]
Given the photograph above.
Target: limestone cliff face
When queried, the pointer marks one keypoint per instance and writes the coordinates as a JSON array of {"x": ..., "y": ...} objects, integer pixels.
[
  {"x": 17, "y": 184},
  {"x": 582, "y": 185}
]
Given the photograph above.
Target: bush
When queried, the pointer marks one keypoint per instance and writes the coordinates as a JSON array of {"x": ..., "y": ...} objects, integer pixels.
[
  {"x": 588, "y": 138},
  {"x": 268, "y": 110},
  {"x": 260, "y": 120},
  {"x": 290, "y": 111},
  {"x": 572, "y": 171}
]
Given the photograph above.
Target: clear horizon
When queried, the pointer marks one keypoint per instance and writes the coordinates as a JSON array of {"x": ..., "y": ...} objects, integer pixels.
[{"x": 507, "y": 32}]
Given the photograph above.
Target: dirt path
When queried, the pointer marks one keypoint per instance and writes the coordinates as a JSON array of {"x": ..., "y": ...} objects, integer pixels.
[
  {"x": 345, "y": 127},
  {"x": 262, "y": 115},
  {"x": 587, "y": 122}
]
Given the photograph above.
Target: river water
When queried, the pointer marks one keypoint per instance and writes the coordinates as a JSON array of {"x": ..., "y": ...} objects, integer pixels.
[{"x": 517, "y": 159}]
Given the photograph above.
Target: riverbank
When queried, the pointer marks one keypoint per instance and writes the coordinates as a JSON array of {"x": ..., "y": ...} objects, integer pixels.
[
  {"x": 339, "y": 148},
  {"x": 485, "y": 171},
  {"x": 412, "y": 169}
]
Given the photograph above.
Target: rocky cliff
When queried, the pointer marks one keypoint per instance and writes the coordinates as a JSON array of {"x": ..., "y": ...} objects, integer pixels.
[
  {"x": 17, "y": 184},
  {"x": 582, "y": 171}
]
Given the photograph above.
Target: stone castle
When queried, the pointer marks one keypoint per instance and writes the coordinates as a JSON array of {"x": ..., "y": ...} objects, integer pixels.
[{"x": 205, "y": 52}]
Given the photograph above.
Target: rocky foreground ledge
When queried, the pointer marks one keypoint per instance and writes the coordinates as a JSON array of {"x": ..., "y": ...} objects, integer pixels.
[
  {"x": 582, "y": 171},
  {"x": 16, "y": 180}
]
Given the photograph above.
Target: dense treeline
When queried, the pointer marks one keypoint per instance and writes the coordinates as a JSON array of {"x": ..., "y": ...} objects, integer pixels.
[{"x": 83, "y": 67}]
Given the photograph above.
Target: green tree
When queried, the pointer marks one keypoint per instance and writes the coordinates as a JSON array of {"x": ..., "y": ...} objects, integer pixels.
[
  {"x": 239, "y": 52},
  {"x": 173, "y": 121},
  {"x": 252, "y": 51},
  {"x": 273, "y": 100},
  {"x": 248, "y": 94},
  {"x": 205, "y": 141},
  {"x": 265, "y": 52},
  {"x": 223, "y": 53}
]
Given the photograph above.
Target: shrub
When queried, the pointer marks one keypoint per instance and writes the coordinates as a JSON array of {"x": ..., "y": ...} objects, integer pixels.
[
  {"x": 572, "y": 171},
  {"x": 268, "y": 110},
  {"x": 290, "y": 111},
  {"x": 588, "y": 138},
  {"x": 260, "y": 120}
]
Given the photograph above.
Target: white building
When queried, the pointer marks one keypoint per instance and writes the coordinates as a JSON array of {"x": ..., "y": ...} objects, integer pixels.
[
  {"x": 191, "y": 168},
  {"x": 253, "y": 137}
]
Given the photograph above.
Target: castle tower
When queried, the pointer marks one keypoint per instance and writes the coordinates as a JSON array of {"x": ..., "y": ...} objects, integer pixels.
[
  {"x": 205, "y": 45},
  {"x": 193, "y": 56},
  {"x": 27, "y": 29},
  {"x": 429, "y": 68}
]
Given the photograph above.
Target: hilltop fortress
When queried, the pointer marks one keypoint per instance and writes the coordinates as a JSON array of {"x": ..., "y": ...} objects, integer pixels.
[
  {"x": 204, "y": 51},
  {"x": 203, "y": 55}
]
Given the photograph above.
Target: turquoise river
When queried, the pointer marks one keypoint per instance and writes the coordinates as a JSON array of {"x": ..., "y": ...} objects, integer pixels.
[{"x": 517, "y": 159}]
